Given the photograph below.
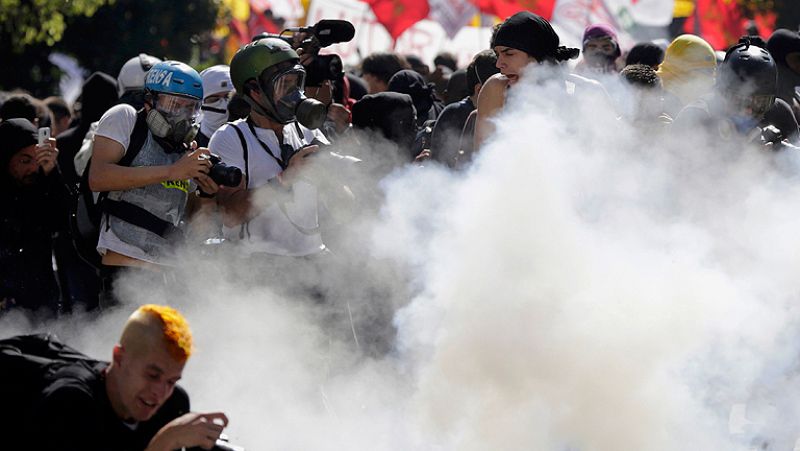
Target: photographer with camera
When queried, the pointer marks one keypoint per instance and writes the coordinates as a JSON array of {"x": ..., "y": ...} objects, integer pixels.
[
  {"x": 147, "y": 167},
  {"x": 275, "y": 210},
  {"x": 326, "y": 80}
]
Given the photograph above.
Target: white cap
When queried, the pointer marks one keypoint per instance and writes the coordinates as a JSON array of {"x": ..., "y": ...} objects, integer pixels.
[
  {"x": 216, "y": 79},
  {"x": 132, "y": 74}
]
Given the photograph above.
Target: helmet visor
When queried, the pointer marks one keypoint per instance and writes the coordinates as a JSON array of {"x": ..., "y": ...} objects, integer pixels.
[
  {"x": 177, "y": 108},
  {"x": 288, "y": 82}
]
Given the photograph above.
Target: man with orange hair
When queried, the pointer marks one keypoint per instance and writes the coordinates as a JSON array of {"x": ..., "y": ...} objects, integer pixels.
[{"x": 132, "y": 403}]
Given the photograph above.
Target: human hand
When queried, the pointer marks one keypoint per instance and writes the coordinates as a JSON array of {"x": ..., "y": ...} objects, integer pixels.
[
  {"x": 207, "y": 185},
  {"x": 296, "y": 164},
  {"x": 423, "y": 156},
  {"x": 192, "y": 165},
  {"x": 339, "y": 115},
  {"x": 190, "y": 430},
  {"x": 46, "y": 155}
]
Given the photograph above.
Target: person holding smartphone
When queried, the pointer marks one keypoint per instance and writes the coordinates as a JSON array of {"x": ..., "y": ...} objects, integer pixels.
[{"x": 34, "y": 203}]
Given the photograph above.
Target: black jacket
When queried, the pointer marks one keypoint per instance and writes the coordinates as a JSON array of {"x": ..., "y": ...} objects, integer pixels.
[{"x": 28, "y": 218}]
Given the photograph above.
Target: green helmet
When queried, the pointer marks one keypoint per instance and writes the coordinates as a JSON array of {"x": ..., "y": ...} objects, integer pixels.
[{"x": 250, "y": 60}]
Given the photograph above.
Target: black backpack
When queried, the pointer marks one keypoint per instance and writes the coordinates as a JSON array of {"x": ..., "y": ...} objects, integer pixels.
[
  {"x": 85, "y": 212},
  {"x": 27, "y": 364}
]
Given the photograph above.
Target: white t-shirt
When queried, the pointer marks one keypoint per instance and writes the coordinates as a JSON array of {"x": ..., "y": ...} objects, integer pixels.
[
  {"x": 289, "y": 231},
  {"x": 117, "y": 124}
]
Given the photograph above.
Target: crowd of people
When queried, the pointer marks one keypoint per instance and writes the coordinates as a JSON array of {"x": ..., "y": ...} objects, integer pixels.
[
  {"x": 138, "y": 156},
  {"x": 266, "y": 152}
]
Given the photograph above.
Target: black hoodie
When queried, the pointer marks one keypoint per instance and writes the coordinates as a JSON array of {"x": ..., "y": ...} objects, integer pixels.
[
  {"x": 98, "y": 95},
  {"x": 28, "y": 217},
  {"x": 780, "y": 45}
]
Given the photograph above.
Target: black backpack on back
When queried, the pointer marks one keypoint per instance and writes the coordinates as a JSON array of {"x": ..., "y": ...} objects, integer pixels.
[
  {"x": 85, "y": 212},
  {"x": 27, "y": 364}
]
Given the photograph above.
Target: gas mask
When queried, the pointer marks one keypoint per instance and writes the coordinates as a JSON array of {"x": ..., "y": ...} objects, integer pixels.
[
  {"x": 173, "y": 119},
  {"x": 215, "y": 114},
  {"x": 289, "y": 101}
]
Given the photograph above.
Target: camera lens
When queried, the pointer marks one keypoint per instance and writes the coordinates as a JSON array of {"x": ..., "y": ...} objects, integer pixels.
[{"x": 225, "y": 175}]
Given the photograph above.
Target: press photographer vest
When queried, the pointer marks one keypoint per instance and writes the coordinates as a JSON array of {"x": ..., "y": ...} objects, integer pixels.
[{"x": 165, "y": 201}]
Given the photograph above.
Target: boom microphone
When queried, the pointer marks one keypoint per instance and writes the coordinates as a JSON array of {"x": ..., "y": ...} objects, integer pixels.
[{"x": 329, "y": 31}]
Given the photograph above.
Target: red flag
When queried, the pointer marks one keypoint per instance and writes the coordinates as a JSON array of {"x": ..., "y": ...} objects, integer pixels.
[
  {"x": 506, "y": 8},
  {"x": 398, "y": 15},
  {"x": 722, "y": 23}
]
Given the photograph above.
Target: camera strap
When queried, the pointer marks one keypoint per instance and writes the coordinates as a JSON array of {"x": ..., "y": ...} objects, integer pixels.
[{"x": 266, "y": 148}]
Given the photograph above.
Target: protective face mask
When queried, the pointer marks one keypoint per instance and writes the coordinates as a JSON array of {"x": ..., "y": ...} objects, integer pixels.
[
  {"x": 296, "y": 106},
  {"x": 311, "y": 113},
  {"x": 215, "y": 114},
  {"x": 181, "y": 132},
  {"x": 598, "y": 58},
  {"x": 157, "y": 124}
]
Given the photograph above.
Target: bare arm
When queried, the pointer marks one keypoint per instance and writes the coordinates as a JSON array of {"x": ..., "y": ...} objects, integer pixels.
[
  {"x": 106, "y": 175},
  {"x": 490, "y": 100}
]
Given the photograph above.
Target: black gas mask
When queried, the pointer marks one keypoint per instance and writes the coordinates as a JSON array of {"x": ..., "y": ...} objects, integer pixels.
[{"x": 287, "y": 100}]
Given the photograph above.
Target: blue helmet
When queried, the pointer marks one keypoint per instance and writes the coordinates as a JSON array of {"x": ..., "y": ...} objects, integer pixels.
[{"x": 174, "y": 77}]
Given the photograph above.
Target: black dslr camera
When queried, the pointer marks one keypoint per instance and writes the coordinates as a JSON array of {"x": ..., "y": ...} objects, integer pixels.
[
  {"x": 222, "y": 174},
  {"x": 322, "y": 34}
]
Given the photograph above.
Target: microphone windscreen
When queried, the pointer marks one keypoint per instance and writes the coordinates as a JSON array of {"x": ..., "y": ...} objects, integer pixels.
[{"x": 331, "y": 31}]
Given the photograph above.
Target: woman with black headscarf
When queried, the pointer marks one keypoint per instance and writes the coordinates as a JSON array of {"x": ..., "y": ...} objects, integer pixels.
[
  {"x": 422, "y": 94},
  {"x": 523, "y": 42}
]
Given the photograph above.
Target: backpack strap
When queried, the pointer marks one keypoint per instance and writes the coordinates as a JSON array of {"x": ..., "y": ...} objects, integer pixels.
[
  {"x": 246, "y": 157},
  {"x": 138, "y": 137}
]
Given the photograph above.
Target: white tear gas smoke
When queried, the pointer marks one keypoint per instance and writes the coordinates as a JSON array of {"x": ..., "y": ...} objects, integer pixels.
[{"x": 580, "y": 287}]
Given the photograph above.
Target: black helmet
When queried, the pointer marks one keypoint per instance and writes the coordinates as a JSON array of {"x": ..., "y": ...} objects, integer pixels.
[{"x": 748, "y": 76}]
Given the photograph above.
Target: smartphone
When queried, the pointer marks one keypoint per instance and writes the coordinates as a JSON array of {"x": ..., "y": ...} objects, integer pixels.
[{"x": 44, "y": 135}]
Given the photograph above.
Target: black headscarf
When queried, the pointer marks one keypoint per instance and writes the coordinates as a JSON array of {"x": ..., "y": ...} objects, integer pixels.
[
  {"x": 533, "y": 35},
  {"x": 411, "y": 82},
  {"x": 98, "y": 95},
  {"x": 780, "y": 45},
  {"x": 390, "y": 113}
]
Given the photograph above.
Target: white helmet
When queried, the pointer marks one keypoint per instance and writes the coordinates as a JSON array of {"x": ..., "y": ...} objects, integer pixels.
[
  {"x": 131, "y": 76},
  {"x": 216, "y": 80}
]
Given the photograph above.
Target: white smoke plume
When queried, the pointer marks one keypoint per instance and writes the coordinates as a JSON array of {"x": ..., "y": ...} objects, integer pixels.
[{"x": 580, "y": 287}]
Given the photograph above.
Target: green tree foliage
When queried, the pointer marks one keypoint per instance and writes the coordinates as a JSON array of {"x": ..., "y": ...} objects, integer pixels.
[
  {"x": 27, "y": 22},
  {"x": 118, "y": 32},
  {"x": 101, "y": 40}
]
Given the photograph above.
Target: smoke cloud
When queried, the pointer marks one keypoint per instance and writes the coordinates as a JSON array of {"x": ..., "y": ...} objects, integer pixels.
[{"x": 581, "y": 287}]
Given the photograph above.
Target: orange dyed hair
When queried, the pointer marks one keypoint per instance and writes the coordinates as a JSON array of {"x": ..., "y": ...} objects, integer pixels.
[{"x": 175, "y": 328}]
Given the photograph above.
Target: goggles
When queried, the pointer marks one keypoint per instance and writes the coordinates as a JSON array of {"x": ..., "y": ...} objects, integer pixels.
[
  {"x": 177, "y": 107},
  {"x": 219, "y": 96},
  {"x": 287, "y": 82}
]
